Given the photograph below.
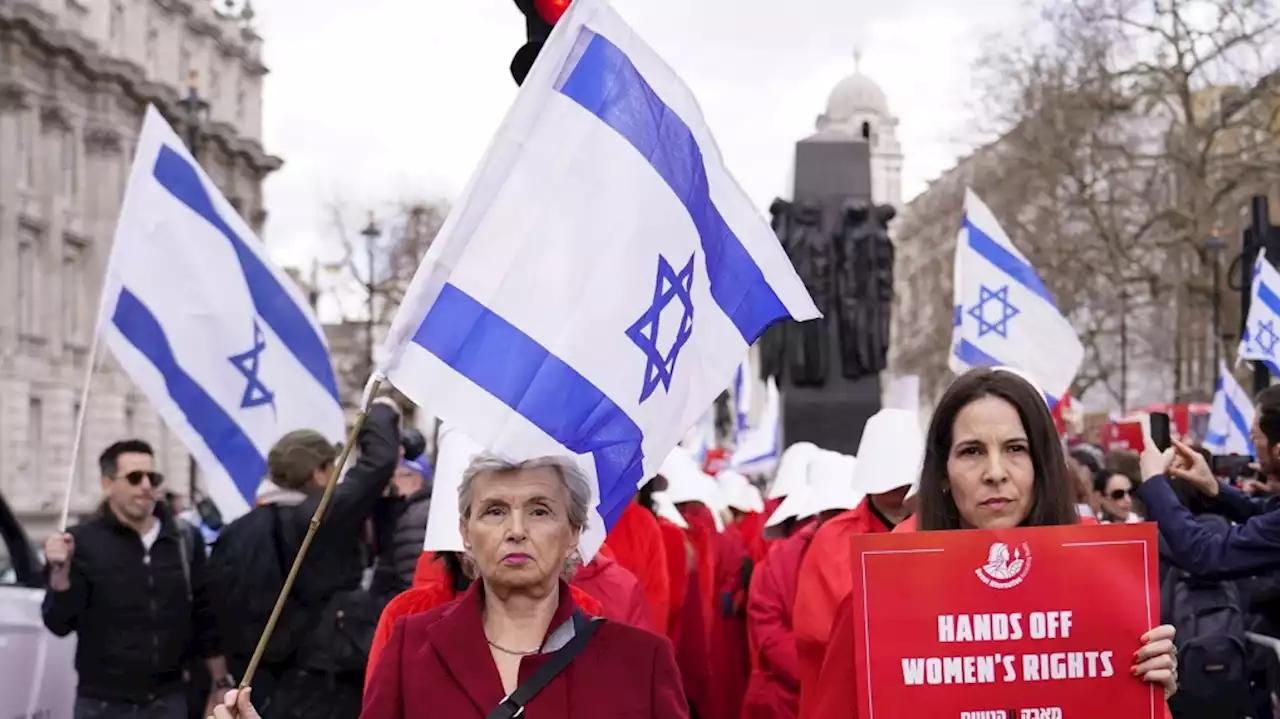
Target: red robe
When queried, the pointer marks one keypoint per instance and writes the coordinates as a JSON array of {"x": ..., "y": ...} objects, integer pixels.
[
  {"x": 618, "y": 590},
  {"x": 692, "y": 654},
  {"x": 751, "y": 527},
  {"x": 702, "y": 533},
  {"x": 826, "y": 578},
  {"x": 636, "y": 542},
  {"x": 834, "y": 693},
  {"x": 729, "y": 652},
  {"x": 677, "y": 551},
  {"x": 773, "y": 691}
]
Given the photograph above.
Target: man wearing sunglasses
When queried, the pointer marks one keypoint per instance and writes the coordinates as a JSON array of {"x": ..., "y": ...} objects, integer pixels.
[{"x": 130, "y": 582}]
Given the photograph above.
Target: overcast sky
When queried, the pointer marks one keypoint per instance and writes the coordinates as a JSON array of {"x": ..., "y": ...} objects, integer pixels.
[{"x": 381, "y": 100}]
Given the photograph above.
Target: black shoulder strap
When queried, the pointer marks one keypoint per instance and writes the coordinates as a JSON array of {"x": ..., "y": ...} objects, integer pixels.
[{"x": 513, "y": 705}]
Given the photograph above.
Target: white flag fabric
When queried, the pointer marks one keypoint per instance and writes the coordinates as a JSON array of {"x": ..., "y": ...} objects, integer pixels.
[
  {"x": 1004, "y": 314},
  {"x": 1231, "y": 417},
  {"x": 759, "y": 446},
  {"x": 221, "y": 341},
  {"x": 1261, "y": 339},
  {"x": 602, "y": 275}
]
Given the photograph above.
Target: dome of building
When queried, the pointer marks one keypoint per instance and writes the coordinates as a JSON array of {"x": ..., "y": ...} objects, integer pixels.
[{"x": 853, "y": 95}]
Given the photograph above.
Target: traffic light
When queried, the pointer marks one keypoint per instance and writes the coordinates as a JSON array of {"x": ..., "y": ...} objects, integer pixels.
[{"x": 540, "y": 16}]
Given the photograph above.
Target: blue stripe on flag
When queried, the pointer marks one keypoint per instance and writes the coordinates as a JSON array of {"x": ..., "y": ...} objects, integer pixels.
[
  {"x": 971, "y": 355},
  {"x": 1005, "y": 261},
  {"x": 229, "y": 444},
  {"x": 1269, "y": 298},
  {"x": 1237, "y": 419},
  {"x": 542, "y": 388},
  {"x": 606, "y": 84},
  {"x": 270, "y": 298}
]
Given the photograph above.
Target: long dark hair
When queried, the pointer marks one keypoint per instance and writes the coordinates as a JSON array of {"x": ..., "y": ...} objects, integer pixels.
[{"x": 1054, "y": 495}]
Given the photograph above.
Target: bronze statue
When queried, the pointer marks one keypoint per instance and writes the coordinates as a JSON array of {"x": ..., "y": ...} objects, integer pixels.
[{"x": 849, "y": 274}]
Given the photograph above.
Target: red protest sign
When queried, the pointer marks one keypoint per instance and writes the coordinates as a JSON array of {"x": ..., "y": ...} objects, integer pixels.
[{"x": 1037, "y": 623}]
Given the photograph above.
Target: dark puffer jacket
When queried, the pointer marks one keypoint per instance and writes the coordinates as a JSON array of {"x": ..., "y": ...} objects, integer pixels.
[{"x": 402, "y": 531}]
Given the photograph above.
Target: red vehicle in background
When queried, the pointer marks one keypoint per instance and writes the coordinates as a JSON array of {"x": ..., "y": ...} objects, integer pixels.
[{"x": 1188, "y": 422}]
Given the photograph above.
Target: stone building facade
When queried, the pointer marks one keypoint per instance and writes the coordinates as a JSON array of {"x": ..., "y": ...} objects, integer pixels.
[{"x": 75, "y": 79}]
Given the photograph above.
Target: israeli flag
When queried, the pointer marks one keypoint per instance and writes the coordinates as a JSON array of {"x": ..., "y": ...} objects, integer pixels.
[
  {"x": 743, "y": 381},
  {"x": 1004, "y": 314},
  {"x": 1231, "y": 417},
  {"x": 220, "y": 341},
  {"x": 759, "y": 446},
  {"x": 1261, "y": 339},
  {"x": 602, "y": 275}
]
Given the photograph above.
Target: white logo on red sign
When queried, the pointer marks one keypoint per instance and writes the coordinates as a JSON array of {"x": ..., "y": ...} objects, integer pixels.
[{"x": 1005, "y": 567}]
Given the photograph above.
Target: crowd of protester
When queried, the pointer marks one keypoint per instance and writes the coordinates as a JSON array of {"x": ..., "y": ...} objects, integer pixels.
[{"x": 454, "y": 584}]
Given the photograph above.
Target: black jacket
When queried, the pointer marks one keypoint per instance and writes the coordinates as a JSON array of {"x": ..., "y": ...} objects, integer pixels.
[
  {"x": 135, "y": 621},
  {"x": 339, "y": 554},
  {"x": 402, "y": 529}
]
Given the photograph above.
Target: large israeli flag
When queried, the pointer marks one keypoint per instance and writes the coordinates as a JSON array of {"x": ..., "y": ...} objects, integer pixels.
[
  {"x": 602, "y": 276},
  {"x": 1004, "y": 314},
  {"x": 1260, "y": 341},
  {"x": 221, "y": 342},
  {"x": 1231, "y": 417}
]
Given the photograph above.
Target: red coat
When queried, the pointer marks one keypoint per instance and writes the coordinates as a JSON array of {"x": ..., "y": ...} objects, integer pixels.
[
  {"x": 774, "y": 688},
  {"x": 438, "y": 664},
  {"x": 618, "y": 591},
  {"x": 729, "y": 650},
  {"x": 826, "y": 578},
  {"x": 636, "y": 541},
  {"x": 433, "y": 588}
]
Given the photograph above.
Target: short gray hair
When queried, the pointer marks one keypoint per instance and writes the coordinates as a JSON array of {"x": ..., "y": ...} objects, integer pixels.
[{"x": 575, "y": 482}]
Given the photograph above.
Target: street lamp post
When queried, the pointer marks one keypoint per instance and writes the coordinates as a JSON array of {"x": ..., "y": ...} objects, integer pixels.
[
  {"x": 196, "y": 111},
  {"x": 1216, "y": 245},
  {"x": 371, "y": 233}
]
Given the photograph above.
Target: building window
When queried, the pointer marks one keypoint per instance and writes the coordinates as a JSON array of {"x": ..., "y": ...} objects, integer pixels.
[
  {"x": 115, "y": 31},
  {"x": 75, "y": 288},
  {"x": 130, "y": 417},
  {"x": 215, "y": 86},
  {"x": 866, "y": 131},
  {"x": 35, "y": 441},
  {"x": 70, "y": 165},
  {"x": 26, "y": 154},
  {"x": 29, "y": 282},
  {"x": 153, "y": 42}
]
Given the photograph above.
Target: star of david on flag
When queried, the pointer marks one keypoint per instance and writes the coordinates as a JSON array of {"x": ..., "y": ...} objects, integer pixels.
[
  {"x": 220, "y": 341},
  {"x": 1260, "y": 341},
  {"x": 1004, "y": 315},
  {"x": 602, "y": 276}
]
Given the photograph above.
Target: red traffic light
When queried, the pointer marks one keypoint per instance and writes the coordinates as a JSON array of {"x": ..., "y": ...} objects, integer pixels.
[{"x": 551, "y": 10}]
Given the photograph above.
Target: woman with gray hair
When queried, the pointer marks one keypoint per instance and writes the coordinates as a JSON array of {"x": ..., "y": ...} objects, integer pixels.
[{"x": 516, "y": 643}]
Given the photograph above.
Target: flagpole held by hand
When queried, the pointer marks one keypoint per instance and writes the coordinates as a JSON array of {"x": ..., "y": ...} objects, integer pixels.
[{"x": 370, "y": 392}]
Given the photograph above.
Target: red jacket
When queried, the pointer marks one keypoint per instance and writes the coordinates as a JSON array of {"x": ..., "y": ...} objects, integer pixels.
[
  {"x": 438, "y": 664},
  {"x": 636, "y": 541},
  {"x": 620, "y": 594},
  {"x": 773, "y": 691},
  {"x": 826, "y": 578}
]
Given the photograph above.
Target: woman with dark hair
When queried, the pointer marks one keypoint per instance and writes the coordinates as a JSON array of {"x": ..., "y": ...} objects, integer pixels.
[
  {"x": 992, "y": 461},
  {"x": 1115, "y": 497}
]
